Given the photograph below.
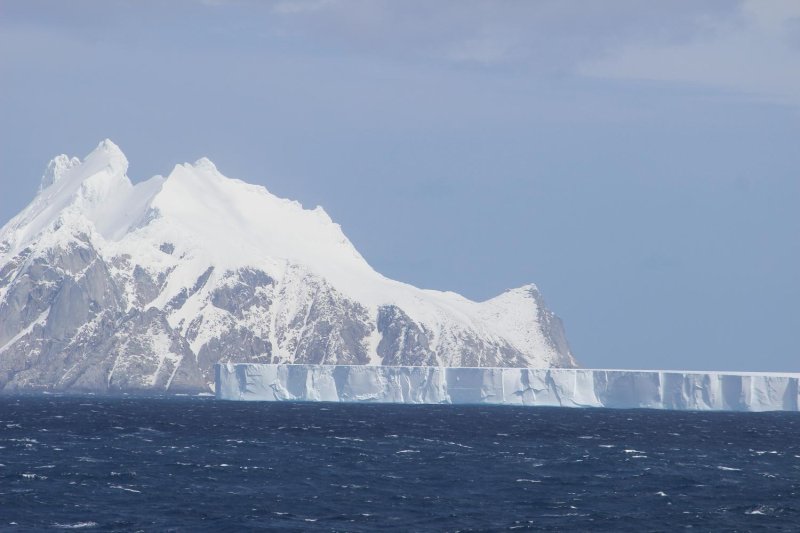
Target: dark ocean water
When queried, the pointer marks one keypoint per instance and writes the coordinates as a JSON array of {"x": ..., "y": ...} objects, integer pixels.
[{"x": 198, "y": 464}]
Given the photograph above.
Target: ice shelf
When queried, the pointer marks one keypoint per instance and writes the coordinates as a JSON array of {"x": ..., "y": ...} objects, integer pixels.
[{"x": 652, "y": 389}]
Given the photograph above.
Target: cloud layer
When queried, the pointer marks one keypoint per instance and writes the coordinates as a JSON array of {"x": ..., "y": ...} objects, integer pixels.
[{"x": 754, "y": 50}]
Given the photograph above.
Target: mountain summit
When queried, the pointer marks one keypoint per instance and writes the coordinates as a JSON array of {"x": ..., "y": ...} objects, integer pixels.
[{"x": 107, "y": 286}]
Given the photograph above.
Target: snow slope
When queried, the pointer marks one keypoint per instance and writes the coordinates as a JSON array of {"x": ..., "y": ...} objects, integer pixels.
[{"x": 147, "y": 286}]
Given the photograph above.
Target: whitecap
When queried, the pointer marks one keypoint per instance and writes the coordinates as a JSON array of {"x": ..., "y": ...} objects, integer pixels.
[
  {"x": 76, "y": 525},
  {"x": 120, "y": 487},
  {"x": 729, "y": 469}
]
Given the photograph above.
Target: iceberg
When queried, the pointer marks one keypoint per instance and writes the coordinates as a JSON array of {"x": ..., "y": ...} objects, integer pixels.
[{"x": 564, "y": 387}]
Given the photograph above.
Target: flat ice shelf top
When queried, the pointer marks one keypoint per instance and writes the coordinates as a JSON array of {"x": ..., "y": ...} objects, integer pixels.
[{"x": 655, "y": 389}]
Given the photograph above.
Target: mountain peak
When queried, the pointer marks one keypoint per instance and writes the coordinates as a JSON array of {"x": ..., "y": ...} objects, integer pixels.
[
  {"x": 93, "y": 190},
  {"x": 107, "y": 156},
  {"x": 108, "y": 145},
  {"x": 205, "y": 163},
  {"x": 56, "y": 169},
  {"x": 525, "y": 292}
]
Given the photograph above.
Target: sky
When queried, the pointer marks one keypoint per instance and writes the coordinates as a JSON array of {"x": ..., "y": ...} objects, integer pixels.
[{"x": 638, "y": 161}]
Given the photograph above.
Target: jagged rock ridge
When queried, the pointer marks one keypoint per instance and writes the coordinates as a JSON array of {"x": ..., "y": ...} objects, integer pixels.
[{"x": 106, "y": 286}]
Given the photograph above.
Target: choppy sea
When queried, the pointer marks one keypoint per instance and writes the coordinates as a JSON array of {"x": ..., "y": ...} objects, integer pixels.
[{"x": 187, "y": 464}]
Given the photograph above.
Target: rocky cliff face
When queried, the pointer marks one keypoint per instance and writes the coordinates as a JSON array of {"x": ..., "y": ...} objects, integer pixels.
[{"x": 110, "y": 287}]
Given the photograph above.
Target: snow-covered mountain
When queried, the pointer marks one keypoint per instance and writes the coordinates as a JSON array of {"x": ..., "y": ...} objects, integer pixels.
[{"x": 107, "y": 286}]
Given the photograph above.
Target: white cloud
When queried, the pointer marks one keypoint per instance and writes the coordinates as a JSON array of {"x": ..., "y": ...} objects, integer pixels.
[{"x": 755, "y": 51}]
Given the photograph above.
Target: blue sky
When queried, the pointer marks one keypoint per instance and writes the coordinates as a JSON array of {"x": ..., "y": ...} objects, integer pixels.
[{"x": 638, "y": 161}]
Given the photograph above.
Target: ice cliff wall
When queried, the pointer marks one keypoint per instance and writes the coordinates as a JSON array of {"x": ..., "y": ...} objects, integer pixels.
[{"x": 655, "y": 389}]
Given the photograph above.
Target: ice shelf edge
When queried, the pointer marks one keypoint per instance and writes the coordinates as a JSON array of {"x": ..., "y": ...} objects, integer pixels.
[{"x": 622, "y": 389}]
